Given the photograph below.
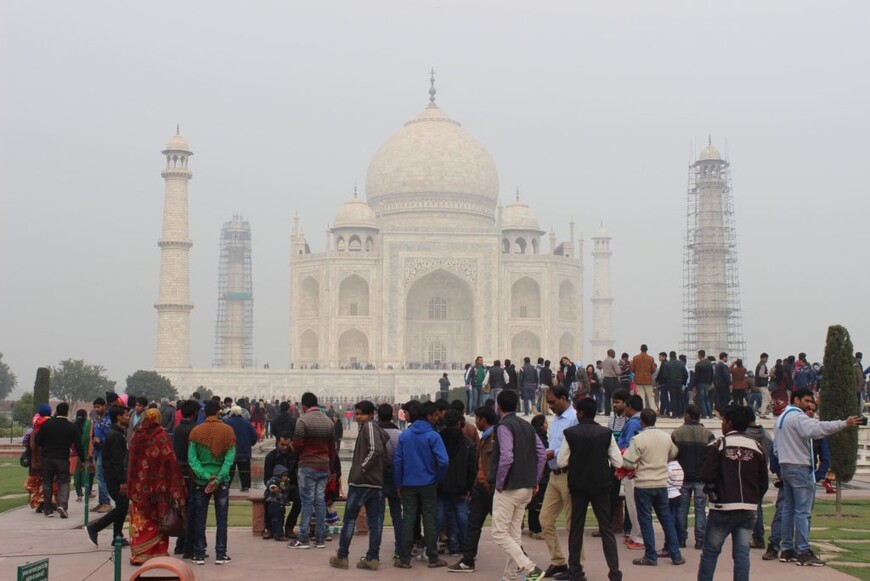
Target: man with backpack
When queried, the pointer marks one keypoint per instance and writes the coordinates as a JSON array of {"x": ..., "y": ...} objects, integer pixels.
[{"x": 454, "y": 490}]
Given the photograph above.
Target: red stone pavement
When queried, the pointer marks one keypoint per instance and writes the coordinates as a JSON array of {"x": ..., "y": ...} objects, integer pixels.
[{"x": 25, "y": 536}]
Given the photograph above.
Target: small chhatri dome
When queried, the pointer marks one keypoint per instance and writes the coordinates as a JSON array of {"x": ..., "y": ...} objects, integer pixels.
[
  {"x": 178, "y": 142},
  {"x": 601, "y": 232},
  {"x": 355, "y": 213},
  {"x": 710, "y": 152},
  {"x": 518, "y": 216}
]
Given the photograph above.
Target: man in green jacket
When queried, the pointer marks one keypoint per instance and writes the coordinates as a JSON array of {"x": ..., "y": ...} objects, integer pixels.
[{"x": 211, "y": 452}]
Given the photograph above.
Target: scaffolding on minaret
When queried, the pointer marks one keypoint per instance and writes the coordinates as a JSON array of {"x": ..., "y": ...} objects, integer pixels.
[
  {"x": 712, "y": 316},
  {"x": 234, "y": 330}
]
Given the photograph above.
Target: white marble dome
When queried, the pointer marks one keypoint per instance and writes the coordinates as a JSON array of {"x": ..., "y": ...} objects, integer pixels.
[
  {"x": 432, "y": 154},
  {"x": 355, "y": 213},
  {"x": 518, "y": 216}
]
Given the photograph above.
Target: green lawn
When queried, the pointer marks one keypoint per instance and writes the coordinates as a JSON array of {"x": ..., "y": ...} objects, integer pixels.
[{"x": 12, "y": 477}]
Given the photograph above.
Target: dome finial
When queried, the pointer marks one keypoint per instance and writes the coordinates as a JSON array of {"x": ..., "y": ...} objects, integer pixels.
[
  {"x": 432, "y": 87},
  {"x": 709, "y": 140},
  {"x": 178, "y": 128},
  {"x": 354, "y": 191},
  {"x": 518, "y": 193}
]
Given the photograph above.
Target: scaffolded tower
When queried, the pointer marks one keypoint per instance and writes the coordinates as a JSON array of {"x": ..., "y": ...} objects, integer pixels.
[
  {"x": 234, "y": 331},
  {"x": 712, "y": 317}
]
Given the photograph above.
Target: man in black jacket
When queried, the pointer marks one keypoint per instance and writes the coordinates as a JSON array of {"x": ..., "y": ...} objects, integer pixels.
[
  {"x": 590, "y": 453},
  {"x": 55, "y": 438},
  {"x": 735, "y": 470},
  {"x": 115, "y": 469},
  {"x": 455, "y": 489},
  {"x": 283, "y": 423},
  {"x": 180, "y": 441},
  {"x": 284, "y": 455}
]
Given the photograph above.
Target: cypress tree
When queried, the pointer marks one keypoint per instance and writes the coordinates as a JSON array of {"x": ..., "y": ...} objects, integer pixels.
[
  {"x": 41, "y": 387},
  {"x": 839, "y": 400}
]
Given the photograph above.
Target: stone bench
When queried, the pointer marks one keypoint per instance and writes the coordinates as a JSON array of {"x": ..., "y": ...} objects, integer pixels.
[{"x": 258, "y": 509}]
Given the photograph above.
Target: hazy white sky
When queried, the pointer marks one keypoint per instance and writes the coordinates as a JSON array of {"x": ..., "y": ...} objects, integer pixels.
[{"x": 590, "y": 108}]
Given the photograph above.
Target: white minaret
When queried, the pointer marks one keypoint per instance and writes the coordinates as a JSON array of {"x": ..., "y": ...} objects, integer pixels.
[
  {"x": 602, "y": 302},
  {"x": 173, "y": 305}
]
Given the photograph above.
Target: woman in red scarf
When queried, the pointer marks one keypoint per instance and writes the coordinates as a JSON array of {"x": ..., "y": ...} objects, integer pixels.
[
  {"x": 33, "y": 484},
  {"x": 154, "y": 483}
]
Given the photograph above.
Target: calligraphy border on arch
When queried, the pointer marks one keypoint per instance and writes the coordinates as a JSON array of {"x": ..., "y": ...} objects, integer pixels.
[{"x": 414, "y": 268}]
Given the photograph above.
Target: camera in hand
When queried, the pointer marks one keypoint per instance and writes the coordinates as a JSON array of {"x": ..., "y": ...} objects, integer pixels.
[
  {"x": 712, "y": 492},
  {"x": 862, "y": 421}
]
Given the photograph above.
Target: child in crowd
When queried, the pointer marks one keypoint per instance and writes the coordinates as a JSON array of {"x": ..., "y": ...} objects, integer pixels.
[{"x": 277, "y": 495}]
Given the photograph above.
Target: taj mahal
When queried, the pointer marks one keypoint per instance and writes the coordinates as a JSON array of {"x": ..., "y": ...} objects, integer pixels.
[{"x": 426, "y": 272}]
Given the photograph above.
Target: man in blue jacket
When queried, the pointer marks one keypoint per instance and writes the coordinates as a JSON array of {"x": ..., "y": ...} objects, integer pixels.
[
  {"x": 246, "y": 437},
  {"x": 419, "y": 465}
]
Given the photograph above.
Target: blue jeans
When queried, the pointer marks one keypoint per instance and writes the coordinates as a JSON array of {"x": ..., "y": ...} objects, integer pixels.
[
  {"x": 647, "y": 500},
  {"x": 799, "y": 492},
  {"x": 755, "y": 400},
  {"x": 454, "y": 509},
  {"x": 704, "y": 400},
  {"x": 102, "y": 490},
  {"x": 682, "y": 519},
  {"x": 373, "y": 500},
  {"x": 312, "y": 487},
  {"x": 474, "y": 399},
  {"x": 776, "y": 524},
  {"x": 721, "y": 523},
  {"x": 395, "y": 503},
  {"x": 221, "y": 497},
  {"x": 758, "y": 531},
  {"x": 664, "y": 399},
  {"x": 528, "y": 399}
]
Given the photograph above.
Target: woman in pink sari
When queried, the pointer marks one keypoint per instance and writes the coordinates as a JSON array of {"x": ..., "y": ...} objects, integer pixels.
[{"x": 154, "y": 483}]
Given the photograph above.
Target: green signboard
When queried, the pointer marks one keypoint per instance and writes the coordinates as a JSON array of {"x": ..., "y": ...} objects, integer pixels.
[{"x": 36, "y": 571}]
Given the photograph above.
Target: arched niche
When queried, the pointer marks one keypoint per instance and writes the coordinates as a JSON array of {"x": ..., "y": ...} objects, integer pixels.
[
  {"x": 353, "y": 348},
  {"x": 526, "y": 299},
  {"x": 308, "y": 347},
  {"x": 505, "y": 246},
  {"x": 353, "y": 297},
  {"x": 566, "y": 345},
  {"x": 354, "y": 244},
  {"x": 339, "y": 244},
  {"x": 567, "y": 300},
  {"x": 309, "y": 298},
  {"x": 439, "y": 305},
  {"x": 525, "y": 344},
  {"x": 520, "y": 245}
]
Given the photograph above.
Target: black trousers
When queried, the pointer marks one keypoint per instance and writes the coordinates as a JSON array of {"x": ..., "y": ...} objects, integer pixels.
[
  {"x": 244, "y": 472},
  {"x": 55, "y": 469},
  {"x": 611, "y": 384},
  {"x": 295, "y": 511},
  {"x": 117, "y": 515},
  {"x": 479, "y": 508},
  {"x": 601, "y": 508}
]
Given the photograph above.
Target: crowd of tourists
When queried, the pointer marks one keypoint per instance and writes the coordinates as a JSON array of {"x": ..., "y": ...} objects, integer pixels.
[{"x": 442, "y": 472}]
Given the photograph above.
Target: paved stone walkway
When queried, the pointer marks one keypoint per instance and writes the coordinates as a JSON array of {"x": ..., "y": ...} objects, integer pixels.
[{"x": 25, "y": 536}]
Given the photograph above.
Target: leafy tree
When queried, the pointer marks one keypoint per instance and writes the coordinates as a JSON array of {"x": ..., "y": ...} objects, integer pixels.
[
  {"x": 8, "y": 381},
  {"x": 838, "y": 401},
  {"x": 41, "y": 387},
  {"x": 76, "y": 380},
  {"x": 205, "y": 393},
  {"x": 151, "y": 385},
  {"x": 23, "y": 410}
]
